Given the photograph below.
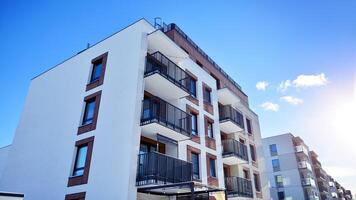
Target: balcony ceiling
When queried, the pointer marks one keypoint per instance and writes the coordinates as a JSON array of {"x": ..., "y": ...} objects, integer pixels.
[
  {"x": 227, "y": 126},
  {"x": 227, "y": 97},
  {"x": 152, "y": 129},
  {"x": 234, "y": 160},
  {"x": 158, "y": 41},
  {"x": 159, "y": 86}
]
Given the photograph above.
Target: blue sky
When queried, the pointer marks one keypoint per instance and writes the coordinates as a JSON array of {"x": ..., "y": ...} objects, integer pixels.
[{"x": 271, "y": 41}]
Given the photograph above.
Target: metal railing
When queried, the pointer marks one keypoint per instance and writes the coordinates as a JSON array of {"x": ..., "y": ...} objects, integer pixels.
[
  {"x": 157, "y": 110},
  {"x": 233, "y": 147},
  {"x": 238, "y": 186},
  {"x": 157, "y": 168},
  {"x": 159, "y": 63},
  {"x": 227, "y": 112}
]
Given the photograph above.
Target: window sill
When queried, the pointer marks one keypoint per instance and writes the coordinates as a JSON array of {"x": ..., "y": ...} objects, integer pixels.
[
  {"x": 86, "y": 128},
  {"x": 93, "y": 84}
]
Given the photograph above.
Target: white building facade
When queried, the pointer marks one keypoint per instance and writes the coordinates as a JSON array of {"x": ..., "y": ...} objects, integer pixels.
[
  {"x": 289, "y": 168},
  {"x": 143, "y": 114}
]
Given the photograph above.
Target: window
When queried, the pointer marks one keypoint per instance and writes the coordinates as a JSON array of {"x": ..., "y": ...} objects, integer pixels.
[
  {"x": 206, "y": 94},
  {"x": 80, "y": 172},
  {"x": 195, "y": 163},
  {"x": 192, "y": 86},
  {"x": 210, "y": 130},
  {"x": 281, "y": 195},
  {"x": 194, "y": 123},
  {"x": 76, "y": 196},
  {"x": 89, "y": 111},
  {"x": 256, "y": 179},
  {"x": 80, "y": 160},
  {"x": 212, "y": 167},
  {"x": 273, "y": 149},
  {"x": 253, "y": 152},
  {"x": 90, "y": 114},
  {"x": 279, "y": 181},
  {"x": 97, "y": 71},
  {"x": 275, "y": 165},
  {"x": 249, "y": 126},
  {"x": 246, "y": 174}
]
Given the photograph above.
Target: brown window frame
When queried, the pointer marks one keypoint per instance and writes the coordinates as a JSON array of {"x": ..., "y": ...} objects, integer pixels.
[
  {"x": 191, "y": 150},
  {"x": 209, "y": 141},
  {"x": 258, "y": 184},
  {"x": 75, "y": 196},
  {"x": 82, "y": 179},
  {"x": 248, "y": 175},
  {"x": 91, "y": 126},
  {"x": 100, "y": 59},
  {"x": 253, "y": 148},
  {"x": 212, "y": 180},
  {"x": 249, "y": 126}
]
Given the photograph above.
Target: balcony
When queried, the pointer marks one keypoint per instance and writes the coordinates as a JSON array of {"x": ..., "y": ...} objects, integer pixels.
[
  {"x": 158, "y": 169},
  {"x": 161, "y": 117},
  {"x": 164, "y": 78},
  {"x": 240, "y": 187},
  {"x": 231, "y": 120},
  {"x": 302, "y": 149},
  {"x": 308, "y": 182},
  {"x": 227, "y": 97},
  {"x": 234, "y": 152},
  {"x": 304, "y": 165}
]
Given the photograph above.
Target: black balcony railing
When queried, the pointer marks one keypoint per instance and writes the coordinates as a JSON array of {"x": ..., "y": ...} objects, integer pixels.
[
  {"x": 156, "y": 168},
  {"x": 233, "y": 147},
  {"x": 237, "y": 186},
  {"x": 159, "y": 63},
  {"x": 157, "y": 110},
  {"x": 227, "y": 112}
]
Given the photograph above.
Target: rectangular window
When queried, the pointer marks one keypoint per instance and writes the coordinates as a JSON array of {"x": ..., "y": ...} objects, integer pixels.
[
  {"x": 246, "y": 174},
  {"x": 89, "y": 111},
  {"x": 80, "y": 172},
  {"x": 192, "y": 87},
  {"x": 249, "y": 126},
  {"x": 207, "y": 95},
  {"x": 212, "y": 167},
  {"x": 194, "y": 123},
  {"x": 97, "y": 71},
  {"x": 279, "y": 181},
  {"x": 210, "y": 130},
  {"x": 281, "y": 195},
  {"x": 90, "y": 114},
  {"x": 253, "y": 152},
  {"x": 80, "y": 160},
  {"x": 275, "y": 165},
  {"x": 195, "y": 166},
  {"x": 75, "y": 196},
  {"x": 273, "y": 149},
  {"x": 256, "y": 179}
]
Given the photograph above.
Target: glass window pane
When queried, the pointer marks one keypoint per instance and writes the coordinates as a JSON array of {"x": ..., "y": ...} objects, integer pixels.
[
  {"x": 194, "y": 124},
  {"x": 210, "y": 130},
  {"x": 89, "y": 112},
  {"x": 195, "y": 163},
  {"x": 80, "y": 161},
  {"x": 96, "y": 72},
  {"x": 212, "y": 168}
]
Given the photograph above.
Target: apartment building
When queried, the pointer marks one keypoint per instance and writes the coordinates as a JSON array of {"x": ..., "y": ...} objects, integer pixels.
[
  {"x": 289, "y": 169},
  {"x": 143, "y": 114}
]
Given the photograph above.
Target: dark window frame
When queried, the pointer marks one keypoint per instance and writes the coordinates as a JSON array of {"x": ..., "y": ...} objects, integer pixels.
[
  {"x": 253, "y": 152},
  {"x": 281, "y": 195},
  {"x": 75, "y": 196},
  {"x": 102, "y": 59},
  {"x": 196, "y": 175},
  {"x": 83, "y": 128},
  {"x": 206, "y": 94},
  {"x": 194, "y": 131},
  {"x": 249, "y": 126},
  {"x": 76, "y": 168},
  {"x": 257, "y": 181},
  {"x": 82, "y": 179},
  {"x": 210, "y": 127},
  {"x": 212, "y": 171},
  {"x": 279, "y": 184},
  {"x": 271, "y": 150},
  {"x": 277, "y": 167}
]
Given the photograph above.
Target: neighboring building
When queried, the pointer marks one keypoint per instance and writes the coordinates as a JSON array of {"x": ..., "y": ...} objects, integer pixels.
[
  {"x": 143, "y": 114},
  {"x": 288, "y": 168}
]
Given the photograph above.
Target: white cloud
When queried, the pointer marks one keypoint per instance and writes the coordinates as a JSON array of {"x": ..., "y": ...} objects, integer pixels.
[
  {"x": 284, "y": 85},
  {"x": 303, "y": 81},
  {"x": 292, "y": 100},
  {"x": 262, "y": 85},
  {"x": 270, "y": 106}
]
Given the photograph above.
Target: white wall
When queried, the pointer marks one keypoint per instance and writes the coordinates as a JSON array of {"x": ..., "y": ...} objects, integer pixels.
[
  {"x": 4, "y": 151},
  {"x": 43, "y": 149}
]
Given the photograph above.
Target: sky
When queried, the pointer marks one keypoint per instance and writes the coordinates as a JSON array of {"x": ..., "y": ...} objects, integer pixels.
[{"x": 296, "y": 60}]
